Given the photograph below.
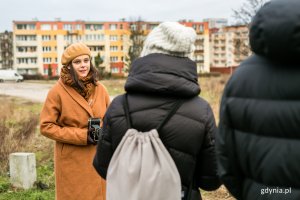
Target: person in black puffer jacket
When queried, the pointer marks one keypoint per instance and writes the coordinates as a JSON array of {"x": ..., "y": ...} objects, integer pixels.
[
  {"x": 258, "y": 147},
  {"x": 158, "y": 79}
]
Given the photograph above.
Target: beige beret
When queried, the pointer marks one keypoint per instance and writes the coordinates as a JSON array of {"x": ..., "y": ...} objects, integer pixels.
[{"x": 74, "y": 50}]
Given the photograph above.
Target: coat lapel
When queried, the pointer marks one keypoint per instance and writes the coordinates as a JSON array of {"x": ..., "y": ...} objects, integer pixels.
[{"x": 77, "y": 97}]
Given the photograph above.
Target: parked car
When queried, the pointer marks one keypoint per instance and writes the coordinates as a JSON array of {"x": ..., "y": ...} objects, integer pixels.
[{"x": 10, "y": 75}]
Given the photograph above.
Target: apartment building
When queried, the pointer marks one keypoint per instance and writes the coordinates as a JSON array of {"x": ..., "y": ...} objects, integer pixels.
[
  {"x": 38, "y": 45},
  {"x": 201, "y": 54},
  {"x": 6, "y": 50},
  {"x": 216, "y": 22},
  {"x": 118, "y": 42},
  {"x": 228, "y": 46}
]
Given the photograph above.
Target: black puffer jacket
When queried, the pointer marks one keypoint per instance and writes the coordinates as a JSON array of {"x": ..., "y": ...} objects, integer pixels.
[
  {"x": 154, "y": 84},
  {"x": 258, "y": 146}
]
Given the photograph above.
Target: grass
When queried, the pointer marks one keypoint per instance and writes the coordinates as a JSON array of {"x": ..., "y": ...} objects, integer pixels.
[
  {"x": 19, "y": 133},
  {"x": 16, "y": 112},
  {"x": 115, "y": 86}
]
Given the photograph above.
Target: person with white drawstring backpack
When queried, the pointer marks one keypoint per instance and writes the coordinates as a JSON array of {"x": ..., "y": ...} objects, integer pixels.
[{"x": 158, "y": 138}]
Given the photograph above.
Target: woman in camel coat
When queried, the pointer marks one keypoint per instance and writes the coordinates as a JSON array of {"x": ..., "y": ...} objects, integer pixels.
[{"x": 75, "y": 98}]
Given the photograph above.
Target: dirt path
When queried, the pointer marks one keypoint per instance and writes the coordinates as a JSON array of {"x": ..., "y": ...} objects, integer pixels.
[
  {"x": 36, "y": 92},
  {"x": 32, "y": 91}
]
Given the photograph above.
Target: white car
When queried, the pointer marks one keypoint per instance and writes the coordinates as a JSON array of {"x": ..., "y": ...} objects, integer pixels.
[{"x": 10, "y": 75}]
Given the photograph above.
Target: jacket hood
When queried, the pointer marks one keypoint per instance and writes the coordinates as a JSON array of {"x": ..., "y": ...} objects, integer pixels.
[
  {"x": 163, "y": 75},
  {"x": 275, "y": 31}
]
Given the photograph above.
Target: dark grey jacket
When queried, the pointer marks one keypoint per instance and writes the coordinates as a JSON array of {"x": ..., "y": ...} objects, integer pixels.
[
  {"x": 258, "y": 146},
  {"x": 156, "y": 82}
]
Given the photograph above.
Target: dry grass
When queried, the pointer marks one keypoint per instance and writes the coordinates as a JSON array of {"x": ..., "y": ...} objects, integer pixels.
[
  {"x": 220, "y": 194},
  {"x": 114, "y": 87},
  {"x": 18, "y": 128},
  {"x": 19, "y": 132},
  {"x": 211, "y": 90}
]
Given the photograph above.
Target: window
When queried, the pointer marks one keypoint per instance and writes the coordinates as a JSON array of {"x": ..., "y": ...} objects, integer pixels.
[
  {"x": 67, "y": 27},
  {"x": 46, "y": 27},
  {"x": 113, "y": 48},
  {"x": 27, "y": 60},
  {"x": 144, "y": 27},
  {"x": 133, "y": 27},
  {"x": 47, "y": 60},
  {"x": 46, "y": 37},
  {"x": 113, "y": 26},
  {"x": 114, "y": 59},
  {"x": 26, "y": 26},
  {"x": 152, "y": 26},
  {"x": 114, "y": 70},
  {"x": 78, "y": 37},
  {"x": 33, "y": 60},
  {"x": 31, "y": 27},
  {"x": 94, "y": 27},
  {"x": 201, "y": 28},
  {"x": 78, "y": 27},
  {"x": 96, "y": 48},
  {"x": 23, "y": 60},
  {"x": 26, "y": 49},
  {"x": 21, "y": 26},
  {"x": 113, "y": 38},
  {"x": 31, "y": 37},
  {"x": 121, "y": 26},
  {"x": 26, "y": 37},
  {"x": 67, "y": 37},
  {"x": 46, "y": 49},
  {"x": 100, "y": 37}
]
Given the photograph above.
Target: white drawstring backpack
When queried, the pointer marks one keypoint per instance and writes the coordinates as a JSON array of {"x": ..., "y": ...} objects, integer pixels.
[{"x": 141, "y": 168}]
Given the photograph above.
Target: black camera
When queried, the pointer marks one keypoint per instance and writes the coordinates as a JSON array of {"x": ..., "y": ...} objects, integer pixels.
[{"x": 94, "y": 128}]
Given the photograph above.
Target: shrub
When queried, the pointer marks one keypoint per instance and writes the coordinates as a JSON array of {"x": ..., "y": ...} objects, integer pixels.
[{"x": 32, "y": 77}]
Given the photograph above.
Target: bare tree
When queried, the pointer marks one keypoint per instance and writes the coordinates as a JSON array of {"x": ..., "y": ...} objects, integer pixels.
[
  {"x": 249, "y": 8},
  {"x": 243, "y": 16},
  {"x": 137, "y": 38}
]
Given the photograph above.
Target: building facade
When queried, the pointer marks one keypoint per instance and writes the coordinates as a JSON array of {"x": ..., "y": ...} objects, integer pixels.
[
  {"x": 6, "y": 50},
  {"x": 38, "y": 45},
  {"x": 229, "y": 46},
  {"x": 201, "y": 54},
  {"x": 216, "y": 22}
]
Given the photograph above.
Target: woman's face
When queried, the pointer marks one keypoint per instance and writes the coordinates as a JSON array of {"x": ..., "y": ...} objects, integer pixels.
[{"x": 81, "y": 65}]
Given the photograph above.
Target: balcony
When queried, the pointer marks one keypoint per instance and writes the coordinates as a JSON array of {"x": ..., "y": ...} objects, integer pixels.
[
  {"x": 73, "y": 32},
  {"x": 27, "y": 66},
  {"x": 27, "y": 43},
  {"x": 26, "y": 54},
  {"x": 198, "y": 51}
]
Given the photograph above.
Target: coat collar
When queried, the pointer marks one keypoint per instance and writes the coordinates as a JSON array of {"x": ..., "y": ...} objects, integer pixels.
[{"x": 78, "y": 98}]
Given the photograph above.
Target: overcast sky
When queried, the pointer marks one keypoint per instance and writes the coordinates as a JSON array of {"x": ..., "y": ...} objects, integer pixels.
[{"x": 114, "y": 10}]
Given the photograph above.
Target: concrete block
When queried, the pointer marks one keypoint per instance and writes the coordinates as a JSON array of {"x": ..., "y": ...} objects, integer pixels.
[{"x": 22, "y": 167}]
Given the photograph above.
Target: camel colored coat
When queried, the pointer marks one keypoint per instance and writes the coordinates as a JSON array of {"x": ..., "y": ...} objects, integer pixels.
[{"x": 64, "y": 118}]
